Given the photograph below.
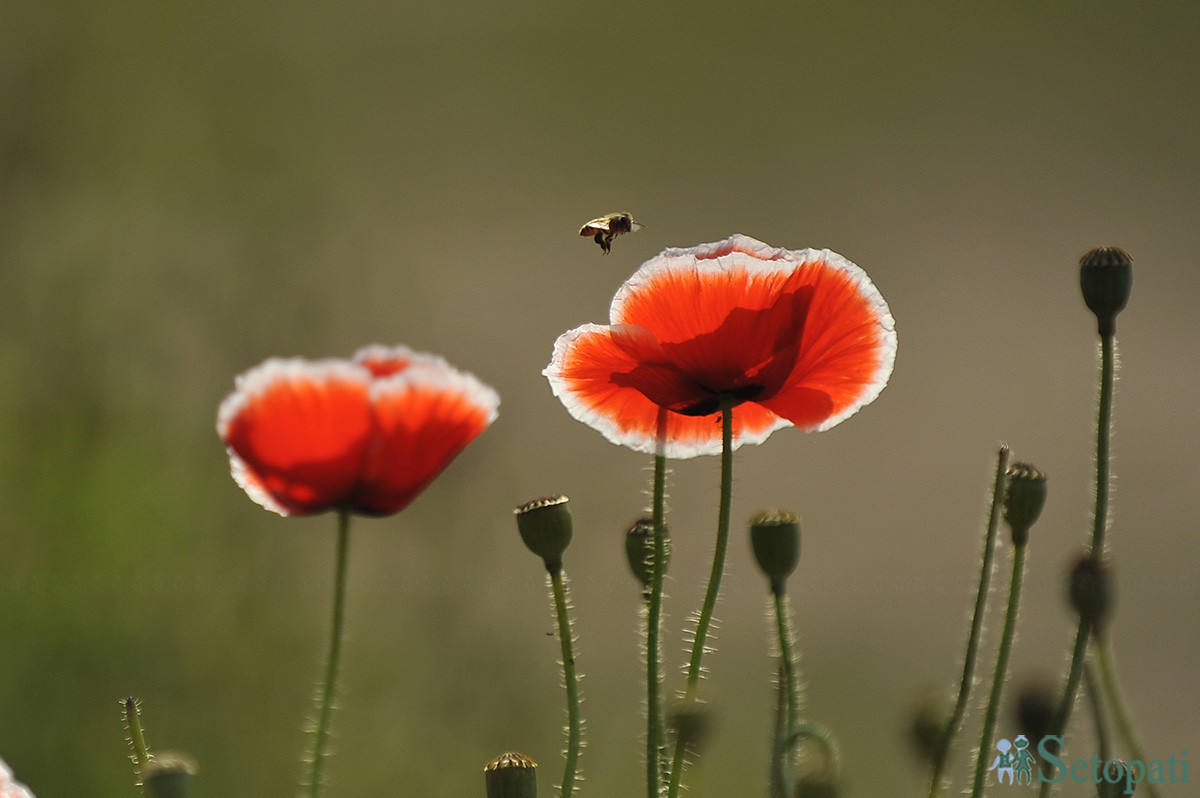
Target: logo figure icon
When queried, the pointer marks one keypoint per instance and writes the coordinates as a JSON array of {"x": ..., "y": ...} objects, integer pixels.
[
  {"x": 1004, "y": 761},
  {"x": 1022, "y": 760}
]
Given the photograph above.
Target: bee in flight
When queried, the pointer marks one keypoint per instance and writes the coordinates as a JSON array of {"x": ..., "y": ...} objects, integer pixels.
[{"x": 604, "y": 229}]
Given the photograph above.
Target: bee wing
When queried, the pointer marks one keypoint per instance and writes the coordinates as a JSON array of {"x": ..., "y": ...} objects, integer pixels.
[
  {"x": 634, "y": 226},
  {"x": 595, "y": 226}
]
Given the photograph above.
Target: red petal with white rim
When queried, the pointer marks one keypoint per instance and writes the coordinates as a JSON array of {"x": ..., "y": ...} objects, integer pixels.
[
  {"x": 297, "y": 433},
  {"x": 424, "y": 417}
]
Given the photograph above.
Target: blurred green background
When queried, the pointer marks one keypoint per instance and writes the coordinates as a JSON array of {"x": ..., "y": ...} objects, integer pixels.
[{"x": 189, "y": 188}]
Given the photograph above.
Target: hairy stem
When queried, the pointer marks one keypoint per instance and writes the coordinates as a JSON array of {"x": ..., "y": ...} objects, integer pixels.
[
  {"x": 699, "y": 644},
  {"x": 1112, "y": 692},
  {"x": 655, "y": 736},
  {"x": 328, "y": 688},
  {"x": 1006, "y": 638},
  {"x": 981, "y": 596},
  {"x": 570, "y": 679}
]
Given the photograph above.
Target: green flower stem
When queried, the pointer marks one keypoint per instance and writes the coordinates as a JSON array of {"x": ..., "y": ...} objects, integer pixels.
[
  {"x": 714, "y": 581},
  {"x": 1103, "y": 435},
  {"x": 787, "y": 662},
  {"x": 137, "y": 740},
  {"x": 1091, "y": 684},
  {"x": 325, "y": 707},
  {"x": 1062, "y": 713},
  {"x": 1006, "y": 638},
  {"x": 775, "y": 775},
  {"x": 811, "y": 732},
  {"x": 1112, "y": 692},
  {"x": 1099, "y": 527},
  {"x": 655, "y": 733},
  {"x": 789, "y": 690},
  {"x": 570, "y": 678},
  {"x": 981, "y": 596}
]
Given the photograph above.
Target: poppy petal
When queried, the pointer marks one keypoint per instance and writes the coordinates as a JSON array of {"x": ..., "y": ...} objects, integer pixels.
[
  {"x": 424, "y": 416},
  {"x": 385, "y": 361},
  {"x": 297, "y": 432},
  {"x": 847, "y": 353}
]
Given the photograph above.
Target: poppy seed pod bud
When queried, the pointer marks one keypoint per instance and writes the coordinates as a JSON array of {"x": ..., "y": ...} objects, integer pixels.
[
  {"x": 927, "y": 726},
  {"x": 1023, "y": 500},
  {"x": 775, "y": 538},
  {"x": 1090, "y": 588},
  {"x": 511, "y": 775},
  {"x": 691, "y": 721},
  {"x": 168, "y": 776},
  {"x": 639, "y": 550},
  {"x": 1116, "y": 779},
  {"x": 1035, "y": 707},
  {"x": 545, "y": 526},
  {"x": 1106, "y": 278}
]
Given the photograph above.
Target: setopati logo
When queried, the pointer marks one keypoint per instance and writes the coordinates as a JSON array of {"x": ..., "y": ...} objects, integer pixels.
[{"x": 1016, "y": 764}]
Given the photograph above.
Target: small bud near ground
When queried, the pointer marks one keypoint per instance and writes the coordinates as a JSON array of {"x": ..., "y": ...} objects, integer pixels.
[
  {"x": 1106, "y": 280},
  {"x": 775, "y": 538},
  {"x": 816, "y": 785},
  {"x": 1023, "y": 500},
  {"x": 168, "y": 776},
  {"x": 545, "y": 527},
  {"x": 1090, "y": 589},
  {"x": 1116, "y": 781},
  {"x": 511, "y": 775}
]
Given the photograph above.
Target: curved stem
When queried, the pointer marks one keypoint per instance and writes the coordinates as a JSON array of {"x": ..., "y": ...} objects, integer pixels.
[
  {"x": 699, "y": 644},
  {"x": 570, "y": 678},
  {"x": 993, "y": 705},
  {"x": 809, "y": 732},
  {"x": 1112, "y": 692},
  {"x": 981, "y": 596},
  {"x": 325, "y": 706},
  {"x": 655, "y": 736},
  {"x": 789, "y": 689},
  {"x": 1062, "y": 714}
]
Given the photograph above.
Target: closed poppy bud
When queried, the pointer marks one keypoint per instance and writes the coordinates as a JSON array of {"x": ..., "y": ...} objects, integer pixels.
[
  {"x": 927, "y": 726},
  {"x": 168, "y": 776},
  {"x": 1117, "y": 781},
  {"x": 511, "y": 775},
  {"x": 775, "y": 538},
  {"x": 691, "y": 721},
  {"x": 639, "y": 549},
  {"x": 1090, "y": 587},
  {"x": 545, "y": 526},
  {"x": 1035, "y": 708},
  {"x": 1106, "y": 279},
  {"x": 1024, "y": 499}
]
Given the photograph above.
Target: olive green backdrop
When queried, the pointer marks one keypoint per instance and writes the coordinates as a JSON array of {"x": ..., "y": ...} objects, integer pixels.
[{"x": 189, "y": 188}]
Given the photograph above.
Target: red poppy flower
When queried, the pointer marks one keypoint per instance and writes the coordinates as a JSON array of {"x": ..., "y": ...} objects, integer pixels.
[
  {"x": 795, "y": 338},
  {"x": 366, "y": 434}
]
